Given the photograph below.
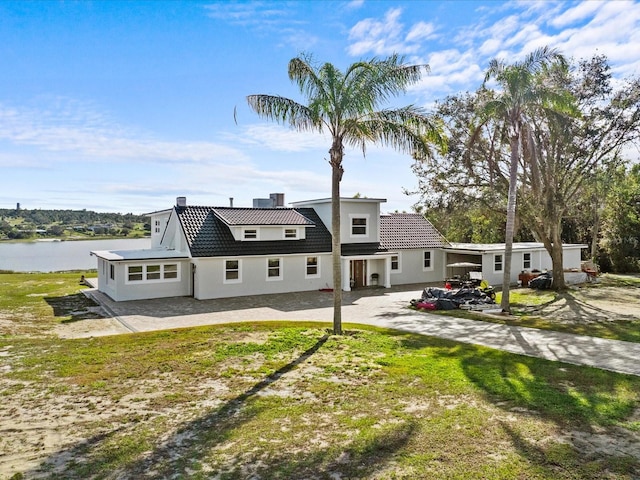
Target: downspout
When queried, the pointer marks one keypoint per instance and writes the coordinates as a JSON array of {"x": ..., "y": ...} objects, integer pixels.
[{"x": 193, "y": 280}]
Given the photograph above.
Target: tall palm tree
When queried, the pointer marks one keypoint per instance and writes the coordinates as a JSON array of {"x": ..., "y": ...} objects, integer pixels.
[
  {"x": 346, "y": 104},
  {"x": 521, "y": 98}
]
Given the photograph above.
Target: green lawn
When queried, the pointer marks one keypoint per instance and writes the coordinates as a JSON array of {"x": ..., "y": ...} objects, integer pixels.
[
  {"x": 535, "y": 309},
  {"x": 289, "y": 401}
]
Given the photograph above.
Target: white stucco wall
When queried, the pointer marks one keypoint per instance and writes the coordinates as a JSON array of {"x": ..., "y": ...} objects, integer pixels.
[
  {"x": 540, "y": 260},
  {"x": 368, "y": 207},
  {"x": 158, "y": 222},
  {"x": 120, "y": 289},
  {"x": 210, "y": 276},
  {"x": 370, "y": 211},
  {"x": 412, "y": 271}
]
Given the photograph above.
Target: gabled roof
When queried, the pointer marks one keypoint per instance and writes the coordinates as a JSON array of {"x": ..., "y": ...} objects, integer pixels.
[
  {"x": 261, "y": 216},
  {"x": 409, "y": 230},
  {"x": 209, "y": 236}
]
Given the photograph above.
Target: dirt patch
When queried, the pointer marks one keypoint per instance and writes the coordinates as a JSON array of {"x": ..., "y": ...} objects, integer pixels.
[
  {"x": 60, "y": 426},
  {"x": 591, "y": 305}
]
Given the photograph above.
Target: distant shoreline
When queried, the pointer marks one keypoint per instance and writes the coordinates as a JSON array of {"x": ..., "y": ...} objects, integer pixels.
[{"x": 72, "y": 239}]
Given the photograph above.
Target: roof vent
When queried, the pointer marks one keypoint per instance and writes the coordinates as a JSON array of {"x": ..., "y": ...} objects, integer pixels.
[{"x": 181, "y": 201}]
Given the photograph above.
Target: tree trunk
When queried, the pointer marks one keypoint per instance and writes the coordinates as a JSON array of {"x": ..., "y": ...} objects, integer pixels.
[
  {"x": 511, "y": 219},
  {"x": 595, "y": 230},
  {"x": 557, "y": 259},
  {"x": 336, "y": 254}
]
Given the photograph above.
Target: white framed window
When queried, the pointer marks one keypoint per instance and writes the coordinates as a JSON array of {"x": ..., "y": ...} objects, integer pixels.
[
  {"x": 170, "y": 271},
  {"x": 250, "y": 234},
  {"x": 153, "y": 272},
  {"x": 497, "y": 262},
  {"x": 135, "y": 273},
  {"x": 427, "y": 260},
  {"x": 312, "y": 267},
  {"x": 359, "y": 225},
  {"x": 290, "y": 233},
  {"x": 274, "y": 268},
  {"x": 526, "y": 261},
  {"x": 156, "y": 272},
  {"x": 112, "y": 271},
  {"x": 395, "y": 263},
  {"x": 157, "y": 226},
  {"x": 232, "y": 271}
]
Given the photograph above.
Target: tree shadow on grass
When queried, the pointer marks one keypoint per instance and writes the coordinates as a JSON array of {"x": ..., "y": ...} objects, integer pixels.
[
  {"x": 574, "y": 398},
  {"x": 180, "y": 455},
  {"x": 561, "y": 456},
  {"x": 76, "y": 306}
]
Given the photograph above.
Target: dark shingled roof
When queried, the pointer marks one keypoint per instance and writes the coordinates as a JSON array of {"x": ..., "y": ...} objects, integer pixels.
[
  {"x": 350, "y": 249},
  {"x": 261, "y": 216},
  {"x": 409, "y": 230},
  {"x": 208, "y": 236}
]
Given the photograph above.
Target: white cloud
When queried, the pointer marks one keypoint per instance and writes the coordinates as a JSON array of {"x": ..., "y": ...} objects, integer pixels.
[
  {"x": 278, "y": 138},
  {"x": 421, "y": 31},
  {"x": 79, "y": 130},
  {"x": 576, "y": 14},
  {"x": 379, "y": 37},
  {"x": 247, "y": 13},
  {"x": 355, "y": 4}
]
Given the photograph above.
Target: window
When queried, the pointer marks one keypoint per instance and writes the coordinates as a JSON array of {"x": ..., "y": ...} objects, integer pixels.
[
  {"x": 526, "y": 261},
  {"x": 290, "y": 233},
  {"x": 359, "y": 226},
  {"x": 250, "y": 234},
  {"x": 157, "y": 226},
  {"x": 497, "y": 263},
  {"x": 135, "y": 273},
  {"x": 150, "y": 273},
  {"x": 153, "y": 272},
  {"x": 232, "y": 271},
  {"x": 427, "y": 260},
  {"x": 274, "y": 269},
  {"x": 313, "y": 267},
  {"x": 171, "y": 271},
  {"x": 395, "y": 263},
  {"x": 112, "y": 271}
]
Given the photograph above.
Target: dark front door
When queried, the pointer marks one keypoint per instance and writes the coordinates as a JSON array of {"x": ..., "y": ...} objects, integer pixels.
[{"x": 359, "y": 273}]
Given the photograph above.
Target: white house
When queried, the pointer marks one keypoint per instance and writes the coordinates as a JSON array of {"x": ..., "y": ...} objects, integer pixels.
[
  {"x": 525, "y": 257},
  {"x": 217, "y": 252}
]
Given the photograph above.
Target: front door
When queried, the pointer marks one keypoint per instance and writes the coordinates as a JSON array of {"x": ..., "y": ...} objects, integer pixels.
[{"x": 359, "y": 273}]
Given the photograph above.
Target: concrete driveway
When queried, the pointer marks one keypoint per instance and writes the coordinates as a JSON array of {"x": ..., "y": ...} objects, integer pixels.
[{"x": 380, "y": 307}]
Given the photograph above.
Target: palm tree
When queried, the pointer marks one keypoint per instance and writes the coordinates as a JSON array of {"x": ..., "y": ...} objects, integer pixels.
[
  {"x": 346, "y": 104},
  {"x": 522, "y": 97}
]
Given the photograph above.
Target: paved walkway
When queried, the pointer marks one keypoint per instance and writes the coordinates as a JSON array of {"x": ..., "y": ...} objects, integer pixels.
[{"x": 380, "y": 307}]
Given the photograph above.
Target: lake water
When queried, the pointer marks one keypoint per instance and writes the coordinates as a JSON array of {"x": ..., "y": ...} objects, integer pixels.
[{"x": 60, "y": 256}]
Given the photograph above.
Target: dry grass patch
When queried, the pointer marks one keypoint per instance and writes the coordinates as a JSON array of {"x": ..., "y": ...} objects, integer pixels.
[
  {"x": 304, "y": 404},
  {"x": 289, "y": 401}
]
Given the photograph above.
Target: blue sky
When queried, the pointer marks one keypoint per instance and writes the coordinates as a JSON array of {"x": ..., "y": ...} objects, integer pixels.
[{"x": 122, "y": 106}]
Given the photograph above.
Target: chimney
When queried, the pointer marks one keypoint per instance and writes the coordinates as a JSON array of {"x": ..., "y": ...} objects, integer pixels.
[
  {"x": 231, "y": 202},
  {"x": 181, "y": 201},
  {"x": 277, "y": 199}
]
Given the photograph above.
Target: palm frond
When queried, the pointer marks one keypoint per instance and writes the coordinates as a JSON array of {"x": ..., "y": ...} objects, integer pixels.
[
  {"x": 409, "y": 130},
  {"x": 284, "y": 111}
]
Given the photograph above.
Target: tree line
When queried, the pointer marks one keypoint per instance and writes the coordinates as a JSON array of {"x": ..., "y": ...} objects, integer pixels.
[
  {"x": 28, "y": 223},
  {"x": 573, "y": 181}
]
